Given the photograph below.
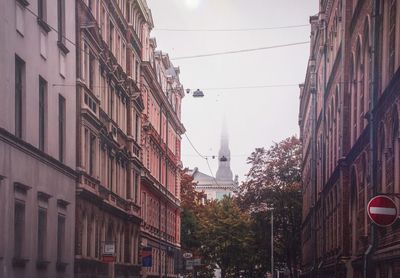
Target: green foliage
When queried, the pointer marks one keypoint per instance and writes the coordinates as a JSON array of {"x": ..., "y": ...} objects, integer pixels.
[
  {"x": 225, "y": 235},
  {"x": 235, "y": 233},
  {"x": 274, "y": 181}
]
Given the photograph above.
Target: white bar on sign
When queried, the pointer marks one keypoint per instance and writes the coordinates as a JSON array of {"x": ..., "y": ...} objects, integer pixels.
[{"x": 384, "y": 211}]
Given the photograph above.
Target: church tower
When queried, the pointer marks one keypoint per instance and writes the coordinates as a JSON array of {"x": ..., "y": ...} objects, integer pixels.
[{"x": 224, "y": 172}]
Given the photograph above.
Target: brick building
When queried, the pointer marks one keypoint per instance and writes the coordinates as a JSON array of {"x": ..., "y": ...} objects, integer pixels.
[
  {"x": 110, "y": 42},
  {"x": 350, "y": 134},
  {"x": 161, "y": 92}
]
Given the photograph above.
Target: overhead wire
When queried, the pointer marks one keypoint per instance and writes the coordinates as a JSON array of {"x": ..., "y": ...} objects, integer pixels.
[
  {"x": 239, "y": 51},
  {"x": 203, "y": 157},
  {"x": 232, "y": 29}
]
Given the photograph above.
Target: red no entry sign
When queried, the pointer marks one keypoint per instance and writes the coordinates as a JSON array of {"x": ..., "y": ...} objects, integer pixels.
[{"x": 382, "y": 210}]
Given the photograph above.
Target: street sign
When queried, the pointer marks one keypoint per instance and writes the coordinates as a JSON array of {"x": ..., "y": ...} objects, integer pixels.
[
  {"x": 109, "y": 248},
  {"x": 187, "y": 255},
  {"x": 108, "y": 259},
  {"x": 189, "y": 264},
  {"x": 147, "y": 257},
  {"x": 382, "y": 210},
  {"x": 196, "y": 262}
]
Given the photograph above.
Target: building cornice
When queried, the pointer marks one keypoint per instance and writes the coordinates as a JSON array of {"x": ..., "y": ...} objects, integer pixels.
[{"x": 34, "y": 152}]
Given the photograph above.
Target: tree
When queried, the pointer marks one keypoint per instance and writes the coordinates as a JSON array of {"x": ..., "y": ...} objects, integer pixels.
[
  {"x": 274, "y": 181},
  {"x": 191, "y": 201},
  {"x": 225, "y": 235}
]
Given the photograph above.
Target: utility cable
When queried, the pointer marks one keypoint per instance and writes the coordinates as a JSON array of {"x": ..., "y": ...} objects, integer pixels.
[
  {"x": 232, "y": 30},
  {"x": 204, "y": 157},
  {"x": 240, "y": 51}
]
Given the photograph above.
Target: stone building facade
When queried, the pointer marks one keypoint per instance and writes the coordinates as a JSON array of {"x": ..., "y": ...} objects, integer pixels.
[
  {"x": 223, "y": 184},
  {"x": 110, "y": 41},
  {"x": 349, "y": 127},
  {"x": 161, "y": 92},
  {"x": 37, "y": 155}
]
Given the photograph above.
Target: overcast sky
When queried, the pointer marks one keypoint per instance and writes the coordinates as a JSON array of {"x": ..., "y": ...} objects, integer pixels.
[{"x": 255, "y": 117}]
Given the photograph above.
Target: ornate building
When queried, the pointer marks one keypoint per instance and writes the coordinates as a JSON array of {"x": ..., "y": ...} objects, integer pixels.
[
  {"x": 349, "y": 125},
  {"x": 161, "y": 142},
  {"x": 110, "y": 44},
  {"x": 223, "y": 183},
  {"x": 37, "y": 138}
]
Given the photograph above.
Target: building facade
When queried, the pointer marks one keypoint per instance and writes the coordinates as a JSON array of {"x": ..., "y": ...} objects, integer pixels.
[
  {"x": 162, "y": 92},
  {"x": 349, "y": 127},
  {"x": 223, "y": 184},
  {"x": 110, "y": 41},
  {"x": 37, "y": 156}
]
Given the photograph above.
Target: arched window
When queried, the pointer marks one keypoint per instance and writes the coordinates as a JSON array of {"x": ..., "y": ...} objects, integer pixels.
[
  {"x": 353, "y": 94},
  {"x": 367, "y": 65},
  {"x": 353, "y": 210},
  {"x": 362, "y": 193},
  {"x": 391, "y": 37},
  {"x": 381, "y": 158},
  {"x": 360, "y": 87},
  {"x": 394, "y": 151}
]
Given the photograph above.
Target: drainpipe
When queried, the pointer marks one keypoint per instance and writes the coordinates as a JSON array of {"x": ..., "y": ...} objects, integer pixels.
[{"x": 372, "y": 129}]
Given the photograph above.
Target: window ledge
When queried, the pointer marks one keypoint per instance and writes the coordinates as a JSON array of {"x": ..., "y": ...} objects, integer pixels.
[
  {"x": 62, "y": 47},
  {"x": 24, "y": 3},
  {"x": 43, "y": 25},
  {"x": 19, "y": 262},
  {"x": 42, "y": 265},
  {"x": 61, "y": 266}
]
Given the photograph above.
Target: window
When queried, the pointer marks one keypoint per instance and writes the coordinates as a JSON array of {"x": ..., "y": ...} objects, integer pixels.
[
  {"x": 110, "y": 173},
  {"x": 136, "y": 186},
  {"x": 90, "y": 102},
  {"x": 61, "y": 127},
  {"x": 137, "y": 127},
  {"x": 42, "y": 234},
  {"x": 91, "y": 154},
  {"x": 60, "y": 237},
  {"x": 19, "y": 90},
  {"x": 19, "y": 228},
  {"x": 392, "y": 37},
  {"x": 61, "y": 21},
  {"x": 102, "y": 21},
  {"x": 19, "y": 18},
  {"x": 91, "y": 71},
  {"x": 111, "y": 36},
  {"x": 42, "y": 10},
  {"x": 42, "y": 111}
]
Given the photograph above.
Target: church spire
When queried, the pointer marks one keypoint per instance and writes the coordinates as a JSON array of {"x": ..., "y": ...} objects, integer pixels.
[{"x": 224, "y": 172}]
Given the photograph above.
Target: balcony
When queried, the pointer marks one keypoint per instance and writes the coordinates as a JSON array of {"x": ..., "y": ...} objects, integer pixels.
[{"x": 92, "y": 188}]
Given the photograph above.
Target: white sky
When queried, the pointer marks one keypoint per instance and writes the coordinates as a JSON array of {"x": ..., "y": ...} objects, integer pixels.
[{"x": 255, "y": 117}]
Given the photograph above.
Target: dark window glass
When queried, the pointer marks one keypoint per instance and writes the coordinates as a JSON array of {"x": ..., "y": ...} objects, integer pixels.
[
  {"x": 42, "y": 9},
  {"x": 91, "y": 154},
  {"x": 61, "y": 127},
  {"x": 42, "y": 111},
  {"x": 111, "y": 34},
  {"x": 136, "y": 187},
  {"x": 61, "y": 20},
  {"x": 19, "y": 87},
  {"x": 42, "y": 233},
  {"x": 137, "y": 126},
  {"x": 60, "y": 237},
  {"x": 91, "y": 71},
  {"x": 19, "y": 228},
  {"x": 392, "y": 36}
]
